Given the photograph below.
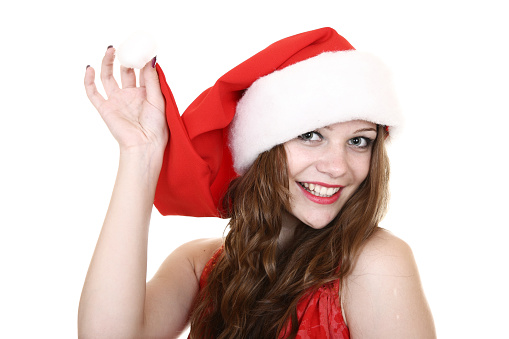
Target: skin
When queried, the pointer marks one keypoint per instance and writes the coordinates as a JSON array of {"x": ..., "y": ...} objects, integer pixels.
[
  {"x": 336, "y": 155},
  {"x": 116, "y": 300},
  {"x": 383, "y": 296}
]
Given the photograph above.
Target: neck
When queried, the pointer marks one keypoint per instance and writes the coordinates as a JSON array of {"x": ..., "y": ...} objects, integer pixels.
[{"x": 289, "y": 223}]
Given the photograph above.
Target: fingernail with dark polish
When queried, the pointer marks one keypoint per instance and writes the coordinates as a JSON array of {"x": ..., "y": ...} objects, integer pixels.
[
  {"x": 88, "y": 66},
  {"x": 154, "y": 62},
  {"x": 110, "y": 46}
]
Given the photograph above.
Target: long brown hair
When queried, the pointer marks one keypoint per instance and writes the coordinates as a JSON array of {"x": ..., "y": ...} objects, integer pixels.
[{"x": 254, "y": 287}]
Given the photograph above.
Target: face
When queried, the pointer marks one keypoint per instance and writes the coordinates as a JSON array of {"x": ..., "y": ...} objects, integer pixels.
[{"x": 325, "y": 167}]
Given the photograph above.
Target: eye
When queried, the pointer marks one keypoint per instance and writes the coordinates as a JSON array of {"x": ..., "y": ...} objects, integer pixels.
[
  {"x": 361, "y": 142},
  {"x": 311, "y": 136}
]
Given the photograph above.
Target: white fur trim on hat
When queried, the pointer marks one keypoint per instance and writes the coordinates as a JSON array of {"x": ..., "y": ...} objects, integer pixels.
[
  {"x": 137, "y": 50},
  {"x": 329, "y": 88}
]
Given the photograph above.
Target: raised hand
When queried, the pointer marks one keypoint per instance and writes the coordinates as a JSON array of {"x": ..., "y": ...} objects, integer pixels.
[
  {"x": 112, "y": 304},
  {"x": 134, "y": 115}
]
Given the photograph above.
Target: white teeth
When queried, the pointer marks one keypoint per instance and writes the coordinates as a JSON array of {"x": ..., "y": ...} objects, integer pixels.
[{"x": 320, "y": 191}]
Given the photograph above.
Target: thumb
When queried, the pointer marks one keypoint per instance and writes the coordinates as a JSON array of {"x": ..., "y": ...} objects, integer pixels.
[{"x": 150, "y": 80}]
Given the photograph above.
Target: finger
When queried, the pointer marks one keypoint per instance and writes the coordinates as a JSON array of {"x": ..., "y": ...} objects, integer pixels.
[
  {"x": 150, "y": 79},
  {"x": 142, "y": 78},
  {"x": 127, "y": 77},
  {"x": 93, "y": 95},
  {"x": 109, "y": 83},
  {"x": 152, "y": 62}
]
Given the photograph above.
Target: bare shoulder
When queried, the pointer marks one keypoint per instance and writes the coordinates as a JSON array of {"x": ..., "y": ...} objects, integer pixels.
[
  {"x": 383, "y": 296},
  {"x": 199, "y": 252},
  {"x": 385, "y": 253},
  {"x": 187, "y": 262},
  {"x": 172, "y": 290},
  {"x": 194, "y": 255}
]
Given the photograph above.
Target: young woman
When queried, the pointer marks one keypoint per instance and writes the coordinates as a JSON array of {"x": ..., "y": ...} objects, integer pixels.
[{"x": 290, "y": 146}]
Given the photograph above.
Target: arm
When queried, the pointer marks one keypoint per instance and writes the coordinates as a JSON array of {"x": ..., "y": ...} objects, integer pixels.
[
  {"x": 175, "y": 286},
  {"x": 383, "y": 296},
  {"x": 116, "y": 302}
]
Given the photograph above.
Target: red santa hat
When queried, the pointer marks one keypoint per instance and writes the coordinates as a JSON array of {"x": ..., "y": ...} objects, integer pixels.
[{"x": 295, "y": 85}]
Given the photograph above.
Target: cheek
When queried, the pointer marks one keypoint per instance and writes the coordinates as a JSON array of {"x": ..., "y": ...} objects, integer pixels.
[
  {"x": 361, "y": 168},
  {"x": 294, "y": 161}
]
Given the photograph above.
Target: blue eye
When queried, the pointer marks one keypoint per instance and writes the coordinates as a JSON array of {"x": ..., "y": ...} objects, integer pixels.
[
  {"x": 361, "y": 142},
  {"x": 311, "y": 136}
]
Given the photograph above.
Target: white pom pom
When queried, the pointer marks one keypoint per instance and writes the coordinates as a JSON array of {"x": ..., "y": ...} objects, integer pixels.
[{"x": 137, "y": 50}]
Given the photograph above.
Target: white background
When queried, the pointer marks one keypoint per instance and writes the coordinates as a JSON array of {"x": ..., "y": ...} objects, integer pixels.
[{"x": 58, "y": 160}]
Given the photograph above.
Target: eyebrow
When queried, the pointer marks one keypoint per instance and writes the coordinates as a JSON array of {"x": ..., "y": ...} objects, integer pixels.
[
  {"x": 357, "y": 131},
  {"x": 365, "y": 130}
]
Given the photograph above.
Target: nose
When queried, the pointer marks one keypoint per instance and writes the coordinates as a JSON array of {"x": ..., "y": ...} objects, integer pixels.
[{"x": 333, "y": 162}]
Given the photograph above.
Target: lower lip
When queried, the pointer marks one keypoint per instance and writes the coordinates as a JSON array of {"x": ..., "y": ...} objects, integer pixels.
[{"x": 321, "y": 200}]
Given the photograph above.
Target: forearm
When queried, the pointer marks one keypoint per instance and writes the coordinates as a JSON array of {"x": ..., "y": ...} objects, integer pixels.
[{"x": 113, "y": 295}]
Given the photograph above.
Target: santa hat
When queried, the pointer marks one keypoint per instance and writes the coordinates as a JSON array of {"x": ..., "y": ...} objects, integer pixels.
[{"x": 295, "y": 85}]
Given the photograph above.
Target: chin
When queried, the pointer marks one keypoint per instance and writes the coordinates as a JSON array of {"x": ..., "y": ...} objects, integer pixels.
[{"x": 318, "y": 224}]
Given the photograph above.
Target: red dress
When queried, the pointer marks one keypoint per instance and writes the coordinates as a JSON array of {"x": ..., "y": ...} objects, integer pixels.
[{"x": 319, "y": 311}]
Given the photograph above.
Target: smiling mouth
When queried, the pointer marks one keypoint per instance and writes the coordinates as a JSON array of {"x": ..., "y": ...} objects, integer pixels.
[{"x": 320, "y": 191}]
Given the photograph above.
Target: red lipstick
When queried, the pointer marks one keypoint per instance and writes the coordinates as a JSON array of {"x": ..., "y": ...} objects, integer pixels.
[
  {"x": 321, "y": 200},
  {"x": 323, "y": 184}
]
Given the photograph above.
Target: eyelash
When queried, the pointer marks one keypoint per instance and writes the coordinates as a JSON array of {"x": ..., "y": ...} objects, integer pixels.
[
  {"x": 302, "y": 136},
  {"x": 368, "y": 142},
  {"x": 308, "y": 136}
]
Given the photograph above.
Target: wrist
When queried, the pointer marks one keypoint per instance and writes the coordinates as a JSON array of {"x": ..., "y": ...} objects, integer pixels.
[
  {"x": 146, "y": 152},
  {"x": 147, "y": 159}
]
